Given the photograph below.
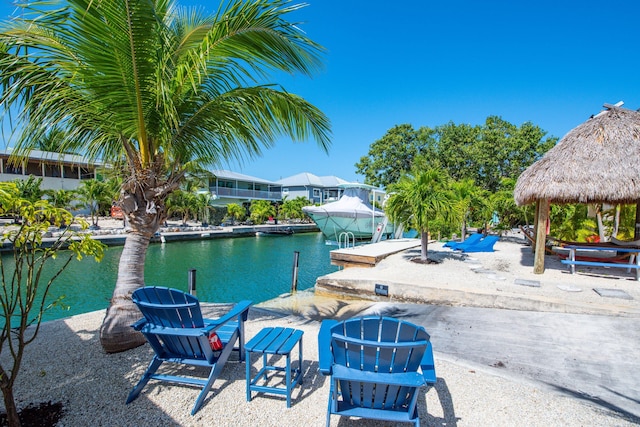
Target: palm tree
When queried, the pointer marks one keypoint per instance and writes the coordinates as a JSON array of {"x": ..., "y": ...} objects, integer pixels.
[
  {"x": 235, "y": 212},
  {"x": 94, "y": 195},
  {"x": 260, "y": 210},
  {"x": 61, "y": 198},
  {"x": 419, "y": 197},
  {"x": 182, "y": 203},
  {"x": 160, "y": 87},
  {"x": 204, "y": 208},
  {"x": 465, "y": 192}
]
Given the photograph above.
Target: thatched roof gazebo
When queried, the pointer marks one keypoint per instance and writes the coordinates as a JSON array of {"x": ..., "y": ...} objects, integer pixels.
[{"x": 596, "y": 162}]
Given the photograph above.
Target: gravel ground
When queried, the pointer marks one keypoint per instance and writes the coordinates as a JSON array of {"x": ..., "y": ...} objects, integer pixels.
[{"x": 66, "y": 364}]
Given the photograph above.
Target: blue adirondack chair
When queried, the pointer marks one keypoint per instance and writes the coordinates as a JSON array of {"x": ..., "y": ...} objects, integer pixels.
[
  {"x": 474, "y": 238},
  {"x": 174, "y": 327},
  {"x": 484, "y": 245},
  {"x": 377, "y": 366}
]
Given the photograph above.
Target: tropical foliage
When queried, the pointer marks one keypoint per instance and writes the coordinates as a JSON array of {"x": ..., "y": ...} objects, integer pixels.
[
  {"x": 158, "y": 87},
  {"x": 96, "y": 196},
  {"x": 485, "y": 154},
  {"x": 30, "y": 188},
  {"x": 261, "y": 210},
  {"x": 183, "y": 204},
  {"x": 25, "y": 289},
  {"x": 292, "y": 208},
  {"x": 483, "y": 162},
  {"x": 235, "y": 212},
  {"x": 422, "y": 197},
  {"x": 61, "y": 198}
]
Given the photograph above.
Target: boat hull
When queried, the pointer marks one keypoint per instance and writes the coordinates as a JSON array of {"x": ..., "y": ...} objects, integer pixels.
[{"x": 360, "y": 227}]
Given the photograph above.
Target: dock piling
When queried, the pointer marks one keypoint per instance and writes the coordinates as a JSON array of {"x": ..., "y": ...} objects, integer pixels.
[
  {"x": 294, "y": 275},
  {"x": 192, "y": 281}
]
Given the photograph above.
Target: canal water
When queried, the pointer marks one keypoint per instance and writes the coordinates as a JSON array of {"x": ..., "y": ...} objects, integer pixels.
[{"x": 227, "y": 270}]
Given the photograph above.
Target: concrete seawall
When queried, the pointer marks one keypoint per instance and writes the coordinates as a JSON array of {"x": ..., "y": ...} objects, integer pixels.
[{"x": 117, "y": 237}]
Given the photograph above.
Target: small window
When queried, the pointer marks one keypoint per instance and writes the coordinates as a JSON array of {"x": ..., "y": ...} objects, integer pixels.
[{"x": 316, "y": 192}]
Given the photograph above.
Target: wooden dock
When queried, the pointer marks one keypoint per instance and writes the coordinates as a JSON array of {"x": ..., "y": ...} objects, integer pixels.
[{"x": 371, "y": 254}]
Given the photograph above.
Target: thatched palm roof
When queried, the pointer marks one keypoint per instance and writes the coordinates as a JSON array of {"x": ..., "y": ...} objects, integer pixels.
[{"x": 596, "y": 162}]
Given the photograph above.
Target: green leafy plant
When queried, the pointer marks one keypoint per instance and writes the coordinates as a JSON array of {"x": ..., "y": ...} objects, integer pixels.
[
  {"x": 261, "y": 210},
  {"x": 25, "y": 290}
]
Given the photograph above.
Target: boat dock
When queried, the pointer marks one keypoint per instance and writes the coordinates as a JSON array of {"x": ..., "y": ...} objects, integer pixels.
[{"x": 371, "y": 254}]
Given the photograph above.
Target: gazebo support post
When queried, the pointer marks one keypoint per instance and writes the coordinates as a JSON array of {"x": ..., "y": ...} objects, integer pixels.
[
  {"x": 636, "y": 233},
  {"x": 535, "y": 224},
  {"x": 542, "y": 215}
]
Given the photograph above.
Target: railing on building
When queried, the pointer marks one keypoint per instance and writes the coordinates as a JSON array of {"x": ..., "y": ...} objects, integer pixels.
[{"x": 246, "y": 194}]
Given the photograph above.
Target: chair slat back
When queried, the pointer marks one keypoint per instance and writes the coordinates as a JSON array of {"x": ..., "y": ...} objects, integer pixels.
[
  {"x": 168, "y": 307},
  {"x": 171, "y": 308},
  {"x": 378, "y": 344}
]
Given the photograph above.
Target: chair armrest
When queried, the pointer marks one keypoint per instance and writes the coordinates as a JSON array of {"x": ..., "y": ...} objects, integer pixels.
[
  {"x": 325, "y": 357},
  {"x": 240, "y": 310},
  {"x": 402, "y": 379},
  {"x": 139, "y": 324},
  {"x": 427, "y": 365}
]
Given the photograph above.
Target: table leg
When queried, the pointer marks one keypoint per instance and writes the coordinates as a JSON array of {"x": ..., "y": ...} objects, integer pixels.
[
  {"x": 288, "y": 379},
  {"x": 247, "y": 362},
  {"x": 300, "y": 359}
]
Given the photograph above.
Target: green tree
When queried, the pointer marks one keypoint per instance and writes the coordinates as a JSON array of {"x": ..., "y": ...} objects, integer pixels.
[
  {"x": 25, "y": 291},
  {"x": 204, "y": 208},
  {"x": 466, "y": 195},
  {"x": 502, "y": 201},
  {"x": 182, "y": 203},
  {"x": 30, "y": 188},
  {"x": 161, "y": 87},
  {"x": 292, "y": 208},
  {"x": 94, "y": 195},
  {"x": 60, "y": 198},
  {"x": 261, "y": 210},
  {"x": 236, "y": 212},
  {"x": 420, "y": 197},
  {"x": 390, "y": 156},
  {"x": 486, "y": 154}
]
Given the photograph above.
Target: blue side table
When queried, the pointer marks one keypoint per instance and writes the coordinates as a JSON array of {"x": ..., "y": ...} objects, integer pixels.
[{"x": 274, "y": 342}]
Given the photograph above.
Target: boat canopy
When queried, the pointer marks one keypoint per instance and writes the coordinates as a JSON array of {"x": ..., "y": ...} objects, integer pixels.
[{"x": 353, "y": 203}]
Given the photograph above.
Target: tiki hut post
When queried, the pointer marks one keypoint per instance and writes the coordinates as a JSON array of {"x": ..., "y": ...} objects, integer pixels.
[
  {"x": 636, "y": 233},
  {"x": 542, "y": 215}
]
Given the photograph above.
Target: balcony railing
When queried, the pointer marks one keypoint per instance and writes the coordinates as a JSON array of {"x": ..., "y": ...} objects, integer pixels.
[{"x": 246, "y": 194}]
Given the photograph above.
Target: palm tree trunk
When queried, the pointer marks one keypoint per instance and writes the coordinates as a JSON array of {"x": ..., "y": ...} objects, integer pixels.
[
  {"x": 424, "y": 242},
  {"x": 143, "y": 205},
  {"x": 116, "y": 333}
]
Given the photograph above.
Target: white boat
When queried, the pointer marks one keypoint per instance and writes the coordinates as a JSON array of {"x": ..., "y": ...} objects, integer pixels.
[{"x": 351, "y": 214}]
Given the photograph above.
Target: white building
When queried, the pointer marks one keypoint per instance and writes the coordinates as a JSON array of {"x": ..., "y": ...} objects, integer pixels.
[{"x": 58, "y": 171}]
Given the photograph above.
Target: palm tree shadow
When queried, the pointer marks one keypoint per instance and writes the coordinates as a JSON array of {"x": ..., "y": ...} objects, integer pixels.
[{"x": 435, "y": 257}]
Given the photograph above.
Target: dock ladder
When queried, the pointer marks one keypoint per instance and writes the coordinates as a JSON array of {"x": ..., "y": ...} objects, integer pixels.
[{"x": 348, "y": 239}]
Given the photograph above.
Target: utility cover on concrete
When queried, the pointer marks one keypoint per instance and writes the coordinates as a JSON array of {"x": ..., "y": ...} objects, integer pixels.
[
  {"x": 530, "y": 283},
  {"x": 612, "y": 293}
]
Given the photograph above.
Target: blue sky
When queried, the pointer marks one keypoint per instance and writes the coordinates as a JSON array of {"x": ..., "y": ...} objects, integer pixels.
[{"x": 426, "y": 63}]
